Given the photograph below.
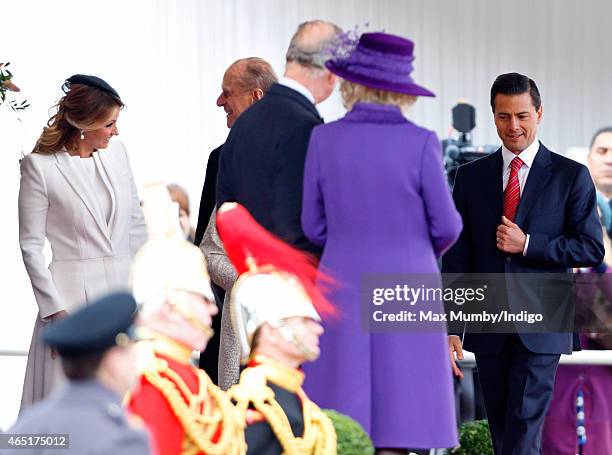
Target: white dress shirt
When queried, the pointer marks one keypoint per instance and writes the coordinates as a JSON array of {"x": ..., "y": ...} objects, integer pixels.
[
  {"x": 295, "y": 85},
  {"x": 527, "y": 156}
]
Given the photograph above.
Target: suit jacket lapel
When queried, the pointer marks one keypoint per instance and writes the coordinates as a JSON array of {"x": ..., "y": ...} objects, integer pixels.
[
  {"x": 538, "y": 178},
  {"x": 492, "y": 187},
  {"x": 73, "y": 177},
  {"x": 109, "y": 165}
]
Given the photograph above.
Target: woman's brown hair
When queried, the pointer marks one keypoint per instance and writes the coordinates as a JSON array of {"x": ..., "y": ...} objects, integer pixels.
[{"x": 82, "y": 108}]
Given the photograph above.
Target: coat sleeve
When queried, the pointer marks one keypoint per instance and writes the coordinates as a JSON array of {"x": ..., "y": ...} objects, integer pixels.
[
  {"x": 444, "y": 221},
  {"x": 221, "y": 270},
  {"x": 313, "y": 218},
  {"x": 288, "y": 186},
  {"x": 148, "y": 403},
  {"x": 208, "y": 197},
  {"x": 582, "y": 245},
  {"x": 138, "y": 227},
  {"x": 128, "y": 441},
  {"x": 225, "y": 183},
  {"x": 33, "y": 206},
  {"x": 458, "y": 259}
]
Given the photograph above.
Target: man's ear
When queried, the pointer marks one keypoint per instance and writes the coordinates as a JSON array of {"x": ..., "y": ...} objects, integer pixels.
[
  {"x": 109, "y": 363},
  {"x": 268, "y": 333},
  {"x": 539, "y": 113},
  {"x": 257, "y": 94}
]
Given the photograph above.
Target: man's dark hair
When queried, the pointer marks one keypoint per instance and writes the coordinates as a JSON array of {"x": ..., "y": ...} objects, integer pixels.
[
  {"x": 82, "y": 367},
  {"x": 515, "y": 84},
  {"x": 605, "y": 129}
]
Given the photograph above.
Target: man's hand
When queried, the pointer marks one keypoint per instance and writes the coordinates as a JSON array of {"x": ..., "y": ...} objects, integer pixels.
[
  {"x": 454, "y": 346},
  {"x": 510, "y": 238},
  {"x": 59, "y": 315}
]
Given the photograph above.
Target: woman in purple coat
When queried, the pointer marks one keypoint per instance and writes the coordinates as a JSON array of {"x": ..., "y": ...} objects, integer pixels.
[{"x": 376, "y": 199}]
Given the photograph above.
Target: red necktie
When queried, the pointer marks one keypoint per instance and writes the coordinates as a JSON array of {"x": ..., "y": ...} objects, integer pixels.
[{"x": 512, "y": 195}]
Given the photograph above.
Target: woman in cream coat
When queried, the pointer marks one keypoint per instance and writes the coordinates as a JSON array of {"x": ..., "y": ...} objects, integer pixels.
[{"x": 77, "y": 191}]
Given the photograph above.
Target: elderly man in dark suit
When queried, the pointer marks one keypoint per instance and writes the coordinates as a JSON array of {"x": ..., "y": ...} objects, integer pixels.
[
  {"x": 262, "y": 164},
  {"x": 99, "y": 359},
  {"x": 525, "y": 210},
  {"x": 245, "y": 82}
]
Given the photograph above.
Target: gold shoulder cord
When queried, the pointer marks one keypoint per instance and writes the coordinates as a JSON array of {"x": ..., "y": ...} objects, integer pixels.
[
  {"x": 201, "y": 420},
  {"x": 319, "y": 436}
]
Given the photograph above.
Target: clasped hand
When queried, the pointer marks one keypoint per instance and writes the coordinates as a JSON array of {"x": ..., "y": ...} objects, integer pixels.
[{"x": 509, "y": 236}]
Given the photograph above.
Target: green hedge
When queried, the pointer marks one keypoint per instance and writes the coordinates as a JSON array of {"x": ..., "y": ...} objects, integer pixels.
[
  {"x": 352, "y": 439},
  {"x": 474, "y": 439}
]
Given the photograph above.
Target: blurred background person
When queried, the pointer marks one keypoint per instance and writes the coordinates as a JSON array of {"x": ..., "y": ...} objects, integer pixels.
[
  {"x": 275, "y": 306},
  {"x": 184, "y": 410},
  {"x": 98, "y": 356},
  {"x": 599, "y": 162},
  {"x": 590, "y": 384},
  {"x": 245, "y": 82},
  {"x": 77, "y": 191},
  {"x": 376, "y": 201},
  {"x": 180, "y": 196}
]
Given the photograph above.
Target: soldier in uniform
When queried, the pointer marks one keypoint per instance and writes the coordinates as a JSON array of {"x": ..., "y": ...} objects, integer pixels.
[
  {"x": 184, "y": 410},
  {"x": 99, "y": 359},
  {"x": 277, "y": 325}
]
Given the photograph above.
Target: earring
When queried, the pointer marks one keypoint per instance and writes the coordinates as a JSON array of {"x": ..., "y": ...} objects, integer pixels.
[{"x": 82, "y": 135}]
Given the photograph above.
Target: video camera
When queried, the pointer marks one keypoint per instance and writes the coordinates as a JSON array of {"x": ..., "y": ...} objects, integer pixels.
[{"x": 459, "y": 150}]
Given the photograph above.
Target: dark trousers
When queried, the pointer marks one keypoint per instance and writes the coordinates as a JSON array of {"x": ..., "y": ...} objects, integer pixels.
[
  {"x": 209, "y": 358},
  {"x": 517, "y": 386}
]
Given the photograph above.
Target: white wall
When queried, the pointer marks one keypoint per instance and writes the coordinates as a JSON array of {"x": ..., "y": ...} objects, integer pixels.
[{"x": 166, "y": 58}]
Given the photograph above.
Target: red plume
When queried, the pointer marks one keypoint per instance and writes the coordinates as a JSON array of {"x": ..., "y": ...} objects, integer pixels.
[{"x": 246, "y": 240}]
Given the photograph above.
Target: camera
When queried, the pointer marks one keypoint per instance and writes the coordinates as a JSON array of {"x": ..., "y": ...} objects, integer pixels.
[{"x": 459, "y": 150}]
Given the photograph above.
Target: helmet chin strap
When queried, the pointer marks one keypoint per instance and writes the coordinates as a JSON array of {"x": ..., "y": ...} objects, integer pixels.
[
  {"x": 181, "y": 309},
  {"x": 290, "y": 337}
]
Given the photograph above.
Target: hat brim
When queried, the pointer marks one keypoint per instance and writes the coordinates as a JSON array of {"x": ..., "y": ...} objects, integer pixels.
[{"x": 407, "y": 88}]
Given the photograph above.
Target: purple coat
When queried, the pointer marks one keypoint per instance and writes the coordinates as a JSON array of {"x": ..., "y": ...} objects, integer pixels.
[{"x": 376, "y": 198}]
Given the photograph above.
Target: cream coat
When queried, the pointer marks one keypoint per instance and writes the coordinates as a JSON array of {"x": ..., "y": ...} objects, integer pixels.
[{"x": 90, "y": 257}]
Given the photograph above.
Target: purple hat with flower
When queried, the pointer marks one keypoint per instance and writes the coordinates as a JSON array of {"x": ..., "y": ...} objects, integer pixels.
[{"x": 378, "y": 60}]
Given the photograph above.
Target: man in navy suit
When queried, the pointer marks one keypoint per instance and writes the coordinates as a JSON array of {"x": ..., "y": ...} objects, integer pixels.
[
  {"x": 525, "y": 209},
  {"x": 262, "y": 164}
]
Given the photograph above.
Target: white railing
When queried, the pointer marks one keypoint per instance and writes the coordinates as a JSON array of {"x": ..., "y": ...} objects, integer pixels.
[
  {"x": 586, "y": 357},
  {"x": 13, "y": 353}
]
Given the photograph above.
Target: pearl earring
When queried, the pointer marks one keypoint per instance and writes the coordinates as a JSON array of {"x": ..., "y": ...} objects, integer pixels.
[{"x": 82, "y": 135}]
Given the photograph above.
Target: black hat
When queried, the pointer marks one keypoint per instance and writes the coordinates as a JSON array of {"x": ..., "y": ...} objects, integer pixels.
[
  {"x": 91, "y": 81},
  {"x": 96, "y": 328}
]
